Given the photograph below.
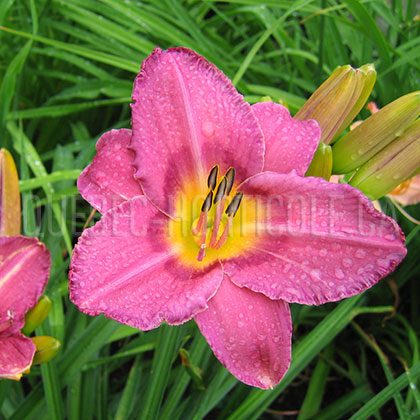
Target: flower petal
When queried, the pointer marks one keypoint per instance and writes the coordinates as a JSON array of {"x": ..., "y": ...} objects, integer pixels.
[
  {"x": 320, "y": 242},
  {"x": 187, "y": 117},
  {"x": 124, "y": 268},
  {"x": 108, "y": 180},
  {"x": 16, "y": 354},
  {"x": 249, "y": 333},
  {"x": 289, "y": 143},
  {"x": 24, "y": 269}
]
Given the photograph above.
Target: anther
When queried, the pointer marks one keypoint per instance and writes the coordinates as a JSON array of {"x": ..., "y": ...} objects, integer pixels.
[
  {"x": 202, "y": 220},
  {"x": 230, "y": 178},
  {"x": 212, "y": 179},
  {"x": 233, "y": 207},
  {"x": 207, "y": 202},
  {"x": 220, "y": 191}
]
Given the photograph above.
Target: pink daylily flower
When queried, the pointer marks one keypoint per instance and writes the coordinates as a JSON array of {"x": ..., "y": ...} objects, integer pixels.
[
  {"x": 24, "y": 270},
  {"x": 184, "y": 236}
]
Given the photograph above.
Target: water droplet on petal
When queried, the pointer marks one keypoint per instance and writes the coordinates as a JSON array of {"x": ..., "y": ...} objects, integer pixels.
[
  {"x": 347, "y": 262},
  {"x": 360, "y": 253}
]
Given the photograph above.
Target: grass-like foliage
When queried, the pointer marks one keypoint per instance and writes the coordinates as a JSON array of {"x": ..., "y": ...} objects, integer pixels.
[{"x": 67, "y": 69}]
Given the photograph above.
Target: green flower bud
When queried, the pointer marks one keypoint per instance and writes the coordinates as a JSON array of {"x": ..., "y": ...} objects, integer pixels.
[
  {"x": 390, "y": 167},
  {"x": 46, "y": 348},
  {"x": 9, "y": 196},
  {"x": 321, "y": 165},
  {"x": 375, "y": 133},
  {"x": 339, "y": 99},
  {"x": 37, "y": 315}
]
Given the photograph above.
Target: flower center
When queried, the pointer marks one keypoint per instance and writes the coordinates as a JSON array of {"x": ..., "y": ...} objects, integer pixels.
[
  {"x": 207, "y": 235},
  {"x": 213, "y": 222}
]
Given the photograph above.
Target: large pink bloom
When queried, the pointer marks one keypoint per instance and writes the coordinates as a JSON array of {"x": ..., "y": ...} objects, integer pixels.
[
  {"x": 24, "y": 269},
  {"x": 164, "y": 251}
]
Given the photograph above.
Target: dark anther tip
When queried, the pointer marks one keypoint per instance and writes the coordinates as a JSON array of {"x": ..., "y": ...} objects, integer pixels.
[
  {"x": 230, "y": 176},
  {"x": 220, "y": 190},
  {"x": 212, "y": 179},
  {"x": 234, "y": 204},
  {"x": 207, "y": 202}
]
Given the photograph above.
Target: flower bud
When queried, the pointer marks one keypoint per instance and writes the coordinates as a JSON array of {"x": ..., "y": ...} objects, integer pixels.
[
  {"x": 321, "y": 165},
  {"x": 339, "y": 99},
  {"x": 9, "y": 196},
  {"x": 46, "y": 348},
  {"x": 375, "y": 133},
  {"x": 391, "y": 166},
  {"x": 37, "y": 315}
]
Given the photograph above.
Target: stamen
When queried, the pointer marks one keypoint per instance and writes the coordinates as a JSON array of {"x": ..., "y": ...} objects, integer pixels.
[
  {"x": 224, "y": 235},
  {"x": 219, "y": 200},
  {"x": 9, "y": 321},
  {"x": 231, "y": 212},
  {"x": 230, "y": 177},
  {"x": 212, "y": 179},
  {"x": 203, "y": 215},
  {"x": 207, "y": 202},
  {"x": 234, "y": 205},
  {"x": 220, "y": 191}
]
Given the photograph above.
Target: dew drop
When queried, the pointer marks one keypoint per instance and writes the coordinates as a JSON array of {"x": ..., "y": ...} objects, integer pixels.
[
  {"x": 323, "y": 252},
  {"x": 339, "y": 273},
  {"x": 360, "y": 253},
  {"x": 347, "y": 262}
]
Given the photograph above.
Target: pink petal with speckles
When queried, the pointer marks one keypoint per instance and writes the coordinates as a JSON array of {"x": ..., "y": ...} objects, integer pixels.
[
  {"x": 16, "y": 354},
  {"x": 249, "y": 333},
  {"x": 320, "y": 242},
  {"x": 187, "y": 117},
  {"x": 124, "y": 268},
  {"x": 24, "y": 269},
  {"x": 289, "y": 143},
  {"x": 108, "y": 180}
]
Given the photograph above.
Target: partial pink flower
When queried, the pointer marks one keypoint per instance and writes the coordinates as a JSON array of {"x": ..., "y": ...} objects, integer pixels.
[
  {"x": 218, "y": 223},
  {"x": 408, "y": 192},
  {"x": 24, "y": 269}
]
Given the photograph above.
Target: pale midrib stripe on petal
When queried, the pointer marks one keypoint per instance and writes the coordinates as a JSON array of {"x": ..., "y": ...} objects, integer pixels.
[
  {"x": 4, "y": 277},
  {"x": 192, "y": 135},
  {"x": 123, "y": 278}
]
